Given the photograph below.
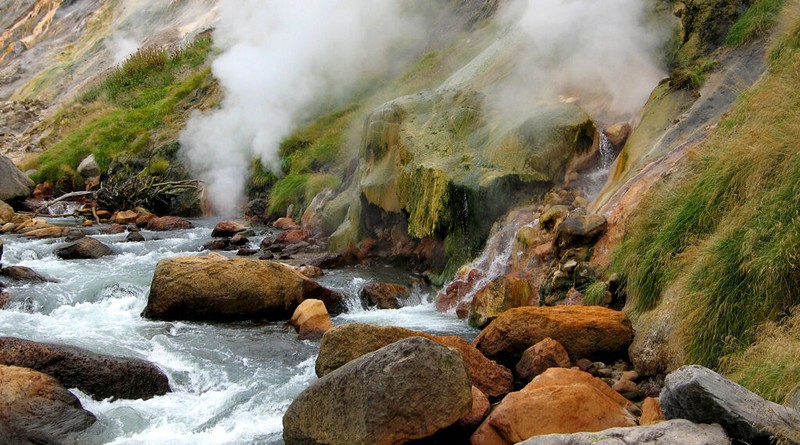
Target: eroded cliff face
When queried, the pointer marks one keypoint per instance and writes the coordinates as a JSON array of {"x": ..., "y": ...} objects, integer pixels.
[{"x": 50, "y": 49}]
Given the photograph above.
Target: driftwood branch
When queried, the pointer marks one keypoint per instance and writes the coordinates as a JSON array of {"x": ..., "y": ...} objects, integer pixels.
[{"x": 59, "y": 199}]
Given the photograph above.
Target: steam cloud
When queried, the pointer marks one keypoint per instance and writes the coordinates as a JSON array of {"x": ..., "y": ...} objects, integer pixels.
[
  {"x": 278, "y": 60},
  {"x": 610, "y": 50}
]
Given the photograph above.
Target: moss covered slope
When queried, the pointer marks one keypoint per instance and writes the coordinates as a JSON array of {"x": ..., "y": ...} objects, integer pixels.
[{"x": 725, "y": 235}]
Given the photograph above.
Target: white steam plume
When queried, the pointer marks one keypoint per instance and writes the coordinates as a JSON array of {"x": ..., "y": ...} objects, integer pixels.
[
  {"x": 278, "y": 60},
  {"x": 607, "y": 52}
]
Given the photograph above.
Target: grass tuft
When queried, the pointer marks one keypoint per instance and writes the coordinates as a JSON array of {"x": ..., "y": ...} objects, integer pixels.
[
  {"x": 754, "y": 22},
  {"x": 594, "y": 293}
]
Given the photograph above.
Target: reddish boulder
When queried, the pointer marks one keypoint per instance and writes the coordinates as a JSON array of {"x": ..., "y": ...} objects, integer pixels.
[
  {"x": 563, "y": 400},
  {"x": 164, "y": 223},
  {"x": 584, "y": 331},
  {"x": 311, "y": 319},
  {"x": 293, "y": 236},
  {"x": 34, "y": 408},
  {"x": 285, "y": 223},
  {"x": 651, "y": 412},
  {"x": 384, "y": 295},
  {"x": 227, "y": 229},
  {"x": 124, "y": 217},
  {"x": 540, "y": 357},
  {"x": 480, "y": 408}
]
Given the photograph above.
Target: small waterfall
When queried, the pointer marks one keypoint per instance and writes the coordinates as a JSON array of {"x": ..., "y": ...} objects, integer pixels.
[
  {"x": 63, "y": 208},
  {"x": 607, "y": 154},
  {"x": 496, "y": 259}
]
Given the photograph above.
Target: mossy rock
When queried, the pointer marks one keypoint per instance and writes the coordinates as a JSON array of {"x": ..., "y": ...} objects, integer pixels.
[{"x": 428, "y": 155}]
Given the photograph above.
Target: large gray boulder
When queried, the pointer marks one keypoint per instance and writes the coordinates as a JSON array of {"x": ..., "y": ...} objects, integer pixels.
[
  {"x": 408, "y": 390},
  {"x": 673, "y": 432},
  {"x": 701, "y": 395},
  {"x": 100, "y": 376},
  {"x": 35, "y": 409},
  {"x": 13, "y": 183}
]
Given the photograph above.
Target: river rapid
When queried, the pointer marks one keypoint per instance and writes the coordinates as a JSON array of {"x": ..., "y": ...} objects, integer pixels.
[{"x": 231, "y": 383}]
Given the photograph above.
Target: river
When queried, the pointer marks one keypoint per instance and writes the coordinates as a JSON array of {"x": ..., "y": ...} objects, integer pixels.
[{"x": 231, "y": 383}]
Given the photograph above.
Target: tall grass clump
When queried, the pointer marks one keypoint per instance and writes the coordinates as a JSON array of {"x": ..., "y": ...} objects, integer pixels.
[
  {"x": 754, "y": 22},
  {"x": 770, "y": 366},
  {"x": 728, "y": 230},
  {"x": 126, "y": 111}
]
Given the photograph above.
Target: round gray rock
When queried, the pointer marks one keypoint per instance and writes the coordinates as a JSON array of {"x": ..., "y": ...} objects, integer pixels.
[
  {"x": 13, "y": 183},
  {"x": 407, "y": 390}
]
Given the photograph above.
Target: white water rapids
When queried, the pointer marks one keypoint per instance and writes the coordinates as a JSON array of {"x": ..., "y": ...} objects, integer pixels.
[{"x": 231, "y": 383}]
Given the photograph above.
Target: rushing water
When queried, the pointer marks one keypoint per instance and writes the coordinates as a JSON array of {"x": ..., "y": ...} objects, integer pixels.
[{"x": 231, "y": 382}]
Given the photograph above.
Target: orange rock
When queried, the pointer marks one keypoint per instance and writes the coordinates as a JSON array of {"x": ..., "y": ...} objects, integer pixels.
[
  {"x": 47, "y": 232},
  {"x": 285, "y": 223},
  {"x": 584, "y": 331},
  {"x": 167, "y": 223},
  {"x": 651, "y": 412},
  {"x": 103, "y": 214},
  {"x": 480, "y": 407},
  {"x": 124, "y": 217},
  {"x": 310, "y": 271},
  {"x": 311, "y": 319},
  {"x": 227, "y": 229},
  {"x": 537, "y": 359},
  {"x": 294, "y": 236},
  {"x": 555, "y": 402}
]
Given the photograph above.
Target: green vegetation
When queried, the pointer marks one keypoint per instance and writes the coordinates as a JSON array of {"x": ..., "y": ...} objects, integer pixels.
[
  {"x": 770, "y": 366},
  {"x": 754, "y": 22},
  {"x": 310, "y": 160},
  {"x": 594, "y": 293},
  {"x": 727, "y": 232},
  {"x": 137, "y": 107}
]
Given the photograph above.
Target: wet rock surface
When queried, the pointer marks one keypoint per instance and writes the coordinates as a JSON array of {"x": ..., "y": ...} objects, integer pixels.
[
  {"x": 84, "y": 248},
  {"x": 101, "y": 376},
  {"x": 35, "y": 409},
  {"x": 221, "y": 289}
]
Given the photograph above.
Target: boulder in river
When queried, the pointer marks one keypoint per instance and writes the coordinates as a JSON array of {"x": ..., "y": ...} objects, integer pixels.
[
  {"x": 84, "y": 248},
  {"x": 673, "y": 432},
  {"x": 384, "y": 295},
  {"x": 701, "y": 395},
  {"x": 415, "y": 388},
  {"x": 35, "y": 409},
  {"x": 226, "y": 229},
  {"x": 347, "y": 342},
  {"x": 98, "y": 375},
  {"x": 219, "y": 289},
  {"x": 564, "y": 401},
  {"x": 22, "y": 273},
  {"x": 311, "y": 319},
  {"x": 165, "y": 223},
  {"x": 584, "y": 331},
  {"x": 13, "y": 183}
]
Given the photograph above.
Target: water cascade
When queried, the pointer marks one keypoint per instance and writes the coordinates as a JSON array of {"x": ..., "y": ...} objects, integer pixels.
[{"x": 231, "y": 383}]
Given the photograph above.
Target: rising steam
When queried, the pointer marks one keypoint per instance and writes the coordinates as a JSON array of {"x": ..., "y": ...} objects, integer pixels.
[
  {"x": 608, "y": 51},
  {"x": 280, "y": 58}
]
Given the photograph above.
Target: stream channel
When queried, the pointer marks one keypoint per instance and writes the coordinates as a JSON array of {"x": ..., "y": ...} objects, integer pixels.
[{"x": 231, "y": 383}]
